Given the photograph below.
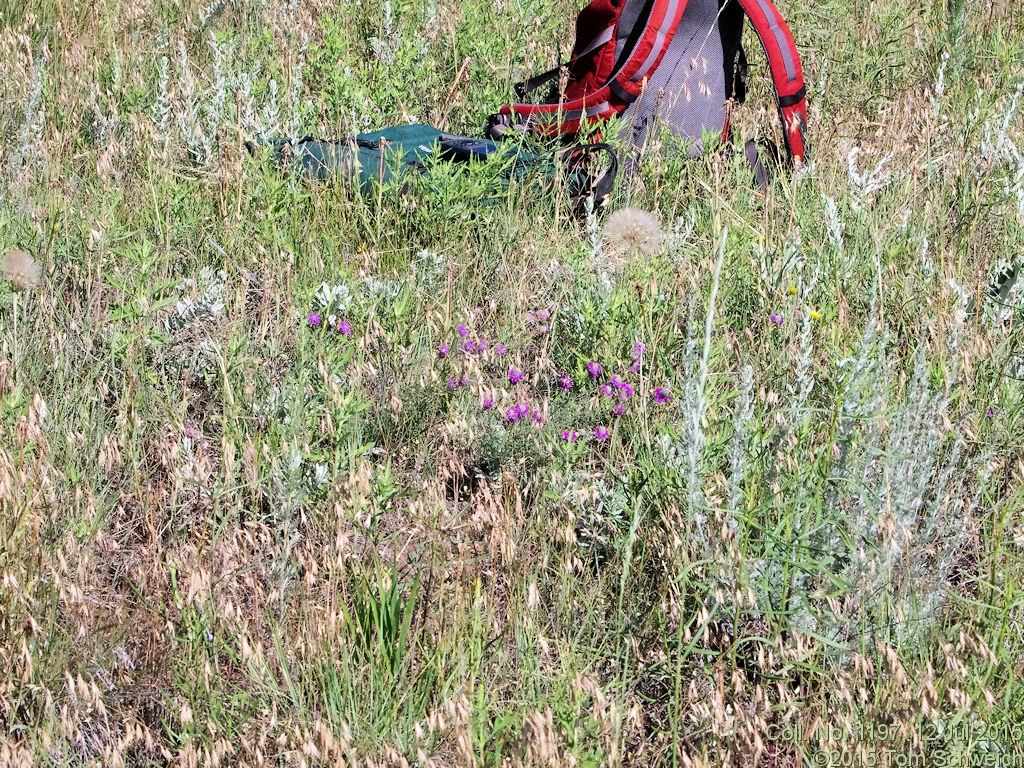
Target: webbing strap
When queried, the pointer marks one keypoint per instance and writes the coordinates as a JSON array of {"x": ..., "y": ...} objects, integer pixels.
[
  {"x": 659, "y": 28},
  {"x": 535, "y": 82}
]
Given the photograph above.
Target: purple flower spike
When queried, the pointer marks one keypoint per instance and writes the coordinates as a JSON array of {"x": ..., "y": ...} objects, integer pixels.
[
  {"x": 992, "y": 411},
  {"x": 344, "y": 328},
  {"x": 619, "y": 410},
  {"x": 594, "y": 369},
  {"x": 569, "y": 436},
  {"x": 463, "y": 331},
  {"x": 662, "y": 395},
  {"x": 488, "y": 403},
  {"x": 523, "y": 409},
  {"x": 452, "y": 382},
  {"x": 777, "y": 319},
  {"x": 515, "y": 376},
  {"x": 601, "y": 433},
  {"x": 512, "y": 414},
  {"x": 191, "y": 433},
  {"x": 606, "y": 390},
  {"x": 482, "y": 345},
  {"x": 625, "y": 391},
  {"x": 470, "y": 347},
  {"x": 443, "y": 350},
  {"x": 565, "y": 382},
  {"x": 500, "y": 349},
  {"x": 639, "y": 350},
  {"x": 538, "y": 417},
  {"x": 617, "y": 382},
  {"x": 314, "y": 319}
]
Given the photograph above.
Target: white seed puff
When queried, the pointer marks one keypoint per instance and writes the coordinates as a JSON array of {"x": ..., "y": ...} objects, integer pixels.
[
  {"x": 633, "y": 231},
  {"x": 22, "y": 270}
]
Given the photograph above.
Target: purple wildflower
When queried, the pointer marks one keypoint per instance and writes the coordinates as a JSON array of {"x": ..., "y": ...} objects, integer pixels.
[
  {"x": 512, "y": 414},
  {"x": 601, "y": 433},
  {"x": 482, "y": 345},
  {"x": 191, "y": 433},
  {"x": 992, "y": 411},
  {"x": 470, "y": 347},
  {"x": 314, "y": 318},
  {"x": 625, "y": 391},
  {"x": 565, "y": 382},
  {"x": 500, "y": 349},
  {"x": 523, "y": 409},
  {"x": 344, "y": 328},
  {"x": 452, "y": 382},
  {"x": 443, "y": 350},
  {"x": 463, "y": 331},
  {"x": 662, "y": 395},
  {"x": 515, "y": 376},
  {"x": 606, "y": 390},
  {"x": 594, "y": 369},
  {"x": 777, "y": 319},
  {"x": 535, "y": 318},
  {"x": 538, "y": 417},
  {"x": 569, "y": 436},
  {"x": 617, "y": 382},
  {"x": 639, "y": 350},
  {"x": 619, "y": 410},
  {"x": 459, "y": 383},
  {"x": 488, "y": 403}
]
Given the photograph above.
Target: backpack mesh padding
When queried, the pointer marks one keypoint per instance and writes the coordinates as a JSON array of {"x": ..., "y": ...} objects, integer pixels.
[{"x": 692, "y": 76}]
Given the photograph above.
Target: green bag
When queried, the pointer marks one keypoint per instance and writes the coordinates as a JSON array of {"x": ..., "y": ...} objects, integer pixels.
[{"x": 394, "y": 156}]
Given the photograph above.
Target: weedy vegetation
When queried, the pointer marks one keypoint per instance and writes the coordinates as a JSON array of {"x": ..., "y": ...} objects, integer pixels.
[{"x": 291, "y": 475}]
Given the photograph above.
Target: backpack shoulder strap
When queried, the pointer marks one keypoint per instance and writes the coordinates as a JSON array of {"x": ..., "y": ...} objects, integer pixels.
[
  {"x": 641, "y": 57},
  {"x": 787, "y": 73}
]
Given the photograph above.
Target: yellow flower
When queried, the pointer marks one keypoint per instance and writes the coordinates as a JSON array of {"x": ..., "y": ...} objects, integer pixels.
[
  {"x": 815, "y": 314},
  {"x": 792, "y": 289}
]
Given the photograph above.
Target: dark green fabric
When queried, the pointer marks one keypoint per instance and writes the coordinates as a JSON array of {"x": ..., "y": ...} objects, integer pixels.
[
  {"x": 412, "y": 157},
  {"x": 386, "y": 156}
]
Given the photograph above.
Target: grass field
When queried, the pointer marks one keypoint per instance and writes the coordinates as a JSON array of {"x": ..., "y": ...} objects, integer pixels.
[{"x": 232, "y": 534}]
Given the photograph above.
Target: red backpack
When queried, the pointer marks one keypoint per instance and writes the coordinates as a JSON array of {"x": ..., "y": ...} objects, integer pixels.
[{"x": 671, "y": 62}]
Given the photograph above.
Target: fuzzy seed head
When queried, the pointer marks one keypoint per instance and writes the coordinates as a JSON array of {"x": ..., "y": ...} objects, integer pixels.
[
  {"x": 632, "y": 231},
  {"x": 22, "y": 270}
]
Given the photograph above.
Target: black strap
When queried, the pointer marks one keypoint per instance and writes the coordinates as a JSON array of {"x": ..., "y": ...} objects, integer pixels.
[
  {"x": 378, "y": 144},
  {"x": 535, "y": 82},
  {"x": 598, "y": 186},
  {"x": 531, "y": 84},
  {"x": 730, "y": 28},
  {"x": 756, "y": 153},
  {"x": 754, "y": 158},
  {"x": 796, "y": 98}
]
